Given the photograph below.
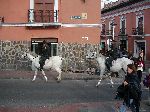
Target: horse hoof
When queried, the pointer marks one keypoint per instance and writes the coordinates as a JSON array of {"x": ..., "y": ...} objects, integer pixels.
[
  {"x": 111, "y": 86},
  {"x": 58, "y": 81},
  {"x": 97, "y": 85}
]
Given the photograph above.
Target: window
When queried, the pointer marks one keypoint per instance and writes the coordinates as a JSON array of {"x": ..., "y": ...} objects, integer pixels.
[
  {"x": 103, "y": 29},
  {"x": 123, "y": 44},
  {"x": 140, "y": 25},
  {"x": 123, "y": 25},
  {"x": 103, "y": 46},
  {"x": 1, "y": 19},
  {"x": 111, "y": 27}
]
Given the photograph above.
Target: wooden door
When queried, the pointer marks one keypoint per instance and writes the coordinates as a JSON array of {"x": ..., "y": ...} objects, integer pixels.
[{"x": 44, "y": 11}]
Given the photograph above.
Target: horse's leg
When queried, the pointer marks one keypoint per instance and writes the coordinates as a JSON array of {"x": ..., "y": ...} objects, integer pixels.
[
  {"x": 101, "y": 77},
  {"x": 111, "y": 81},
  {"x": 59, "y": 75},
  {"x": 44, "y": 75},
  {"x": 99, "y": 82},
  {"x": 35, "y": 74}
]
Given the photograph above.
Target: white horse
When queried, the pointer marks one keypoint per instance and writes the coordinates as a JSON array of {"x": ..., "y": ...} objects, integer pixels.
[
  {"x": 53, "y": 62},
  {"x": 117, "y": 65}
]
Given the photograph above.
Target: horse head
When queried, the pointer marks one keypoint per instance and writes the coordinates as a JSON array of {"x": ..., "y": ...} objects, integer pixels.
[
  {"x": 31, "y": 56},
  {"x": 25, "y": 53}
]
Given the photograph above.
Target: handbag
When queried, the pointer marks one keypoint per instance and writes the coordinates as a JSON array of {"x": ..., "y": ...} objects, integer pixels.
[{"x": 120, "y": 92}]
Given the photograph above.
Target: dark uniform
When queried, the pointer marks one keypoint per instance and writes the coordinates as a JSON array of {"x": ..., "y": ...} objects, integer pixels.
[
  {"x": 132, "y": 91},
  {"x": 45, "y": 54},
  {"x": 124, "y": 53},
  {"x": 111, "y": 55}
]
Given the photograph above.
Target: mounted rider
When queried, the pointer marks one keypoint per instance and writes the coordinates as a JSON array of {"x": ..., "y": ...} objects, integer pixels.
[
  {"x": 111, "y": 55},
  {"x": 124, "y": 53},
  {"x": 45, "y": 54}
]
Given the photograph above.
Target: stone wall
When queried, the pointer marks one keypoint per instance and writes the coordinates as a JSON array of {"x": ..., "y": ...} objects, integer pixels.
[
  {"x": 10, "y": 55},
  {"x": 74, "y": 55}
]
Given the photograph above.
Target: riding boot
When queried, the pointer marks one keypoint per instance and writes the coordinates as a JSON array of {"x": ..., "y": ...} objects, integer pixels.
[
  {"x": 41, "y": 67},
  {"x": 42, "y": 62},
  {"x": 108, "y": 67}
]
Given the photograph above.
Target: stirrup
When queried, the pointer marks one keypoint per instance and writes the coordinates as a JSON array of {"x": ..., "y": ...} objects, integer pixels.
[
  {"x": 107, "y": 70},
  {"x": 40, "y": 69}
]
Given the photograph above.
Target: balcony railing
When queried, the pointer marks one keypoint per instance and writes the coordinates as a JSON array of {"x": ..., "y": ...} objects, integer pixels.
[
  {"x": 1, "y": 19},
  {"x": 109, "y": 32},
  {"x": 122, "y": 31},
  {"x": 106, "y": 32},
  {"x": 103, "y": 32},
  {"x": 137, "y": 31},
  {"x": 43, "y": 16}
]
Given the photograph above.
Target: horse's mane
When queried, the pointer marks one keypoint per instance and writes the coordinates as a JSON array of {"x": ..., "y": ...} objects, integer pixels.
[{"x": 33, "y": 54}]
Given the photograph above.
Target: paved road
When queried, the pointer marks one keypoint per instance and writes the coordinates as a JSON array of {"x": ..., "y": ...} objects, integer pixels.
[{"x": 79, "y": 95}]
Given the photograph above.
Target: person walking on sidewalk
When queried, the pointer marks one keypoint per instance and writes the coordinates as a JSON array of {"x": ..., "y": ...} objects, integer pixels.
[
  {"x": 142, "y": 55},
  {"x": 132, "y": 90},
  {"x": 140, "y": 68}
]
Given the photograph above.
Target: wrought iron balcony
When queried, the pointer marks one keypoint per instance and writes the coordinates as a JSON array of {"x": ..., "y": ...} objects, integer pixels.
[
  {"x": 1, "y": 19},
  {"x": 122, "y": 31},
  {"x": 137, "y": 31},
  {"x": 103, "y": 32},
  {"x": 109, "y": 32},
  {"x": 43, "y": 16},
  {"x": 106, "y": 32}
]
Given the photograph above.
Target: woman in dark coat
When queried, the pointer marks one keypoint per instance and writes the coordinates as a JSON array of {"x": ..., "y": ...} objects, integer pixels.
[{"x": 132, "y": 89}]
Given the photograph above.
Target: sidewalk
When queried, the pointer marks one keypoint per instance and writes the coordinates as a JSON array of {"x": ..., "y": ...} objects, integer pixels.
[{"x": 106, "y": 106}]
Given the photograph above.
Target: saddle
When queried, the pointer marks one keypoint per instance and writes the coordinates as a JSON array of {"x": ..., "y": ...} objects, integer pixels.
[
  {"x": 108, "y": 62},
  {"x": 42, "y": 61}
]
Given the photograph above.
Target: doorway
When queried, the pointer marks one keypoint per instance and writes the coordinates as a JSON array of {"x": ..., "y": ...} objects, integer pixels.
[
  {"x": 36, "y": 45},
  {"x": 138, "y": 46}
]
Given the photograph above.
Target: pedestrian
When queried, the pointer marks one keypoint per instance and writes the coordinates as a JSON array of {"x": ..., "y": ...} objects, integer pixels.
[
  {"x": 131, "y": 90},
  {"x": 130, "y": 55},
  {"x": 124, "y": 53},
  {"x": 146, "y": 80},
  {"x": 140, "y": 68},
  {"x": 45, "y": 54},
  {"x": 142, "y": 55}
]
